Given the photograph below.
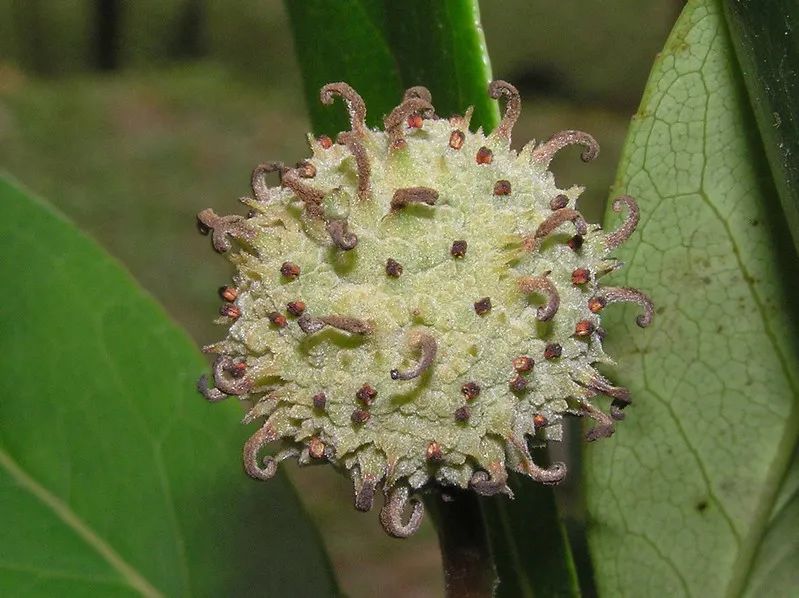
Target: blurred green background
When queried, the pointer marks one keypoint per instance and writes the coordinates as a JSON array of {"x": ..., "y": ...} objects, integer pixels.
[{"x": 131, "y": 116}]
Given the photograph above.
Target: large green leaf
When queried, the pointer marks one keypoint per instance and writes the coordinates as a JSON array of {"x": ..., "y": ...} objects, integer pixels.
[
  {"x": 381, "y": 47},
  {"x": 766, "y": 39},
  {"x": 681, "y": 499},
  {"x": 116, "y": 478}
]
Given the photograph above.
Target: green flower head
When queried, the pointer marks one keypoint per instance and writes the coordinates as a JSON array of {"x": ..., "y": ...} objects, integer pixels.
[{"x": 417, "y": 306}]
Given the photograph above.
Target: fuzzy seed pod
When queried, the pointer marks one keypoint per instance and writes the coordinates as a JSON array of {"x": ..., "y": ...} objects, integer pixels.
[{"x": 361, "y": 332}]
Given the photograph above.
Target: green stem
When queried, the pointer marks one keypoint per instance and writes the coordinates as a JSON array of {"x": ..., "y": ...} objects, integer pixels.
[{"x": 468, "y": 565}]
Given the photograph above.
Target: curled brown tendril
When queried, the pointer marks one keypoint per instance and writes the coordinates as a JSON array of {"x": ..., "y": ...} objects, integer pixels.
[
  {"x": 311, "y": 325},
  {"x": 603, "y": 385},
  {"x": 312, "y": 198},
  {"x": 403, "y": 197},
  {"x": 340, "y": 234},
  {"x": 604, "y": 427},
  {"x": 557, "y": 218},
  {"x": 394, "y": 123},
  {"x": 628, "y": 295},
  {"x": 544, "y": 286},
  {"x": 554, "y": 474},
  {"x": 418, "y": 91},
  {"x": 428, "y": 347},
  {"x": 211, "y": 393},
  {"x": 222, "y": 226},
  {"x": 253, "y": 446},
  {"x": 621, "y": 234},
  {"x": 491, "y": 482},
  {"x": 227, "y": 383},
  {"x": 355, "y": 105},
  {"x": 364, "y": 487},
  {"x": 393, "y": 512},
  {"x": 513, "y": 107},
  {"x": 260, "y": 189},
  {"x": 544, "y": 153},
  {"x": 362, "y": 167}
]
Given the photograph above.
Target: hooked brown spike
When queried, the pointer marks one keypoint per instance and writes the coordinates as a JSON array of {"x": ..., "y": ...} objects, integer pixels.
[
  {"x": 620, "y": 235},
  {"x": 604, "y": 427},
  {"x": 491, "y": 482},
  {"x": 363, "y": 169},
  {"x": 403, "y": 197},
  {"x": 513, "y": 107},
  {"x": 551, "y": 475},
  {"x": 557, "y": 218},
  {"x": 602, "y": 385},
  {"x": 341, "y": 236},
  {"x": 428, "y": 347},
  {"x": 628, "y": 295},
  {"x": 312, "y": 198},
  {"x": 395, "y": 121},
  {"x": 355, "y": 105},
  {"x": 227, "y": 383},
  {"x": 418, "y": 91},
  {"x": 222, "y": 226},
  {"x": 252, "y": 447},
  {"x": 311, "y": 325},
  {"x": 391, "y": 515},
  {"x": 260, "y": 189},
  {"x": 542, "y": 284},
  {"x": 364, "y": 488},
  {"x": 211, "y": 393},
  {"x": 544, "y": 153}
]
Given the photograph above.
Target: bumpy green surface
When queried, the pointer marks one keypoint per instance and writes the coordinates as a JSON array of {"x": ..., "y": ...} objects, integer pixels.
[{"x": 432, "y": 299}]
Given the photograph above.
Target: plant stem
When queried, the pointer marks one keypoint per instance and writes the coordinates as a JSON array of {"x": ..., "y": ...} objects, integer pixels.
[{"x": 468, "y": 565}]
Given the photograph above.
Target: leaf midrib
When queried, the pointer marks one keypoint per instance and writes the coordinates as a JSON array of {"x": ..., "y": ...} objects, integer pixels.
[{"x": 135, "y": 579}]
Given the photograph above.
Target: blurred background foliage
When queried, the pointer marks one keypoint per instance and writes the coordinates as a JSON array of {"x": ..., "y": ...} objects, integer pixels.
[{"x": 132, "y": 116}]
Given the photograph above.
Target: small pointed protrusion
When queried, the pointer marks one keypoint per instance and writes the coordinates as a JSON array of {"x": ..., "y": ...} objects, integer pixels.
[
  {"x": 491, "y": 482},
  {"x": 409, "y": 195},
  {"x": 512, "y": 109},
  {"x": 428, "y": 347},
  {"x": 393, "y": 513},
  {"x": 418, "y": 91},
  {"x": 222, "y": 226},
  {"x": 364, "y": 487},
  {"x": 310, "y": 325},
  {"x": 341, "y": 236},
  {"x": 554, "y": 474},
  {"x": 355, "y": 104},
  {"x": 544, "y": 286},
  {"x": 557, "y": 218},
  {"x": 604, "y": 427},
  {"x": 362, "y": 166},
  {"x": 394, "y": 123},
  {"x": 260, "y": 189},
  {"x": 312, "y": 198},
  {"x": 628, "y": 295},
  {"x": 544, "y": 153},
  {"x": 253, "y": 446},
  {"x": 621, "y": 234},
  {"x": 211, "y": 393},
  {"x": 227, "y": 383}
]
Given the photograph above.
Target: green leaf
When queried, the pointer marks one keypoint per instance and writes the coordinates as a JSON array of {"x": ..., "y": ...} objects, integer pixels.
[
  {"x": 116, "y": 477},
  {"x": 682, "y": 496},
  {"x": 382, "y": 47},
  {"x": 766, "y": 40}
]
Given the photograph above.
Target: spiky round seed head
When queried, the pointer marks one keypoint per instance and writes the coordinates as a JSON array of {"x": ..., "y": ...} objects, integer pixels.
[{"x": 396, "y": 325}]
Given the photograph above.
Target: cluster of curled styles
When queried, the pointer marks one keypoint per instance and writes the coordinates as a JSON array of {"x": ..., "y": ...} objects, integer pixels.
[{"x": 417, "y": 306}]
